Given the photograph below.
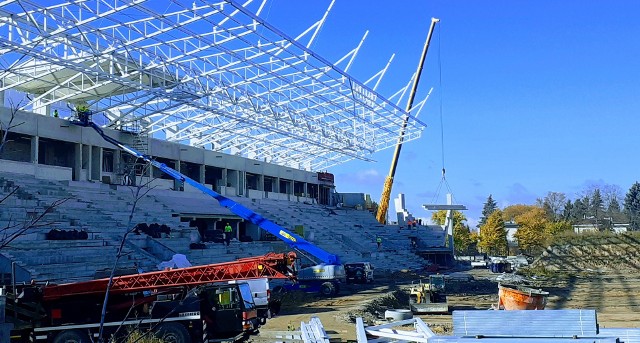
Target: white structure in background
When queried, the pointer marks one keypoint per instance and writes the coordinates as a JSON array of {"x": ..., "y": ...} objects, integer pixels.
[
  {"x": 402, "y": 214},
  {"x": 448, "y": 224}
]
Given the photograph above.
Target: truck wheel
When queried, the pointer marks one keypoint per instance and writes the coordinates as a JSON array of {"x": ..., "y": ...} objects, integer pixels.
[
  {"x": 72, "y": 336},
  {"x": 173, "y": 333},
  {"x": 327, "y": 289}
]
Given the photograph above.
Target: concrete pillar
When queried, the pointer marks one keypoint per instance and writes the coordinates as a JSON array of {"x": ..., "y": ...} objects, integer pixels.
[
  {"x": 35, "y": 149},
  {"x": 177, "y": 185},
  {"x": 77, "y": 161},
  {"x": 96, "y": 163},
  {"x": 101, "y": 161},
  {"x": 202, "y": 172},
  {"x": 88, "y": 161},
  {"x": 242, "y": 181},
  {"x": 236, "y": 230},
  {"x": 261, "y": 182},
  {"x": 224, "y": 177},
  {"x": 276, "y": 187}
]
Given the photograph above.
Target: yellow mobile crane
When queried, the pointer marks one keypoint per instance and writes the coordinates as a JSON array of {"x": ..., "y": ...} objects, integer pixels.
[{"x": 383, "y": 207}]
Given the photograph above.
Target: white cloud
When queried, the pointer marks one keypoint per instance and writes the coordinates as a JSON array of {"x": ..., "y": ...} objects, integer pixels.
[{"x": 366, "y": 177}]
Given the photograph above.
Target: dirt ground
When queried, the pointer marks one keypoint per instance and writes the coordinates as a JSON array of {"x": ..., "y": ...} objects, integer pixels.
[{"x": 615, "y": 296}]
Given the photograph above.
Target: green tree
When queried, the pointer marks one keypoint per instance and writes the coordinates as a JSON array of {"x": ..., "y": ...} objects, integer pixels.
[
  {"x": 597, "y": 205},
  {"x": 632, "y": 206},
  {"x": 531, "y": 230},
  {"x": 567, "y": 211},
  {"x": 461, "y": 232},
  {"x": 586, "y": 203},
  {"x": 579, "y": 211},
  {"x": 489, "y": 207},
  {"x": 613, "y": 208},
  {"x": 553, "y": 229},
  {"x": 493, "y": 235}
]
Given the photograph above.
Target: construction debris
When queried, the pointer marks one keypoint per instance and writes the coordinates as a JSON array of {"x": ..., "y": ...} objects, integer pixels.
[{"x": 311, "y": 332}]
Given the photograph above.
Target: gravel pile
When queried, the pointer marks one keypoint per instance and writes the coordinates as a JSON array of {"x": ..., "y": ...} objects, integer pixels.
[{"x": 374, "y": 309}]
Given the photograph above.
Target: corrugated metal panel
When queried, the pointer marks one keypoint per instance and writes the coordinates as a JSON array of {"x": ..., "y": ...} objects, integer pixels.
[
  {"x": 625, "y": 335},
  {"x": 452, "y": 339},
  {"x": 547, "y": 323}
]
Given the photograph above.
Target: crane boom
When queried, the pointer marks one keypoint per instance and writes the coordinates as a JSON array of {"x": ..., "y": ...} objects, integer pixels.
[
  {"x": 383, "y": 207},
  {"x": 271, "y": 265},
  {"x": 292, "y": 239}
]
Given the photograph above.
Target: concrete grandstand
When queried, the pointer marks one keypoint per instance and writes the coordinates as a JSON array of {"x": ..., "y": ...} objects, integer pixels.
[{"x": 242, "y": 108}]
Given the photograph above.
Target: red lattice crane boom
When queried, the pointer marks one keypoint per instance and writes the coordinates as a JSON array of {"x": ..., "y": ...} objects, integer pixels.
[{"x": 271, "y": 265}]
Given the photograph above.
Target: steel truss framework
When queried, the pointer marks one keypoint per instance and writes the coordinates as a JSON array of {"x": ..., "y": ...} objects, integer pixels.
[{"x": 211, "y": 74}]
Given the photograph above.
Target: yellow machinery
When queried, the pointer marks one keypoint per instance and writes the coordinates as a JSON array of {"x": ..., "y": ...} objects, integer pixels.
[
  {"x": 429, "y": 297},
  {"x": 383, "y": 206}
]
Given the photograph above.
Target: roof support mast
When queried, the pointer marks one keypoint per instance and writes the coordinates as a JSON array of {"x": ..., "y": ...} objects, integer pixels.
[{"x": 383, "y": 207}]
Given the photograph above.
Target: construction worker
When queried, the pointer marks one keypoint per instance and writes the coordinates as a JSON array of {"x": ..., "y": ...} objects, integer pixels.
[
  {"x": 227, "y": 233},
  {"x": 379, "y": 241},
  {"x": 55, "y": 114}
]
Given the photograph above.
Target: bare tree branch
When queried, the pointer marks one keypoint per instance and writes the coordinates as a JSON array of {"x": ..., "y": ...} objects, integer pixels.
[
  {"x": 5, "y": 128},
  {"x": 32, "y": 223},
  {"x": 138, "y": 192},
  {"x": 10, "y": 194}
]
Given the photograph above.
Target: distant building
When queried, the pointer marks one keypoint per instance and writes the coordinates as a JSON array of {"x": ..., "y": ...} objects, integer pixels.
[
  {"x": 615, "y": 227},
  {"x": 511, "y": 227}
]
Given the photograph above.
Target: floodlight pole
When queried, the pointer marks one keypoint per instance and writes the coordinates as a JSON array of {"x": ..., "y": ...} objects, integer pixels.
[{"x": 383, "y": 207}]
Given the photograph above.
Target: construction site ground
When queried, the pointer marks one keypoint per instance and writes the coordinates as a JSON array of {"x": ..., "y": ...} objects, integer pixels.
[{"x": 615, "y": 296}]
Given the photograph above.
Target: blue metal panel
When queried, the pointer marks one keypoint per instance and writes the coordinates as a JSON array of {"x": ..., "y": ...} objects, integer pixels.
[
  {"x": 624, "y": 334},
  {"x": 547, "y": 323},
  {"x": 454, "y": 339}
]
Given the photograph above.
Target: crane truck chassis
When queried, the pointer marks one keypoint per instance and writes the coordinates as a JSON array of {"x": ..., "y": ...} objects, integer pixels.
[{"x": 195, "y": 304}]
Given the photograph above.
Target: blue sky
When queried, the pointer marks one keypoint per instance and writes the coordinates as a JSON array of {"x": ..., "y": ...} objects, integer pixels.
[{"x": 535, "y": 96}]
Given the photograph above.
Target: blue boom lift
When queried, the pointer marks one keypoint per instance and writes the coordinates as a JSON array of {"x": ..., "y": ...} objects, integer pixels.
[{"x": 325, "y": 277}]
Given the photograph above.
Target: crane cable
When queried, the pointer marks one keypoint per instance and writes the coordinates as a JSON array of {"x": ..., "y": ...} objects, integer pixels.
[{"x": 443, "y": 180}]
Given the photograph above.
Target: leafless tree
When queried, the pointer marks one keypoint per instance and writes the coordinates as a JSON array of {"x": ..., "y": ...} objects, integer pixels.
[
  {"x": 138, "y": 192},
  {"x": 553, "y": 203},
  {"x": 8, "y": 125}
]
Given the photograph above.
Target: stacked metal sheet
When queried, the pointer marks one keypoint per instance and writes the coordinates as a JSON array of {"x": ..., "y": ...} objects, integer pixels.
[
  {"x": 624, "y": 334},
  {"x": 523, "y": 324}
]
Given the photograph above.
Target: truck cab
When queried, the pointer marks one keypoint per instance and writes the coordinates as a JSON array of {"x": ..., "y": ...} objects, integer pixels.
[
  {"x": 261, "y": 297},
  {"x": 359, "y": 272},
  {"x": 228, "y": 310}
]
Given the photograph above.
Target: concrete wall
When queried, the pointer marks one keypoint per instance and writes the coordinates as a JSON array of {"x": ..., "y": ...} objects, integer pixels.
[
  {"x": 39, "y": 171},
  {"x": 352, "y": 199},
  {"x": 89, "y": 151}
]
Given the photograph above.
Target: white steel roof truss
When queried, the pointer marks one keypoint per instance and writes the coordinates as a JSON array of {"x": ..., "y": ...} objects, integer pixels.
[{"x": 234, "y": 82}]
